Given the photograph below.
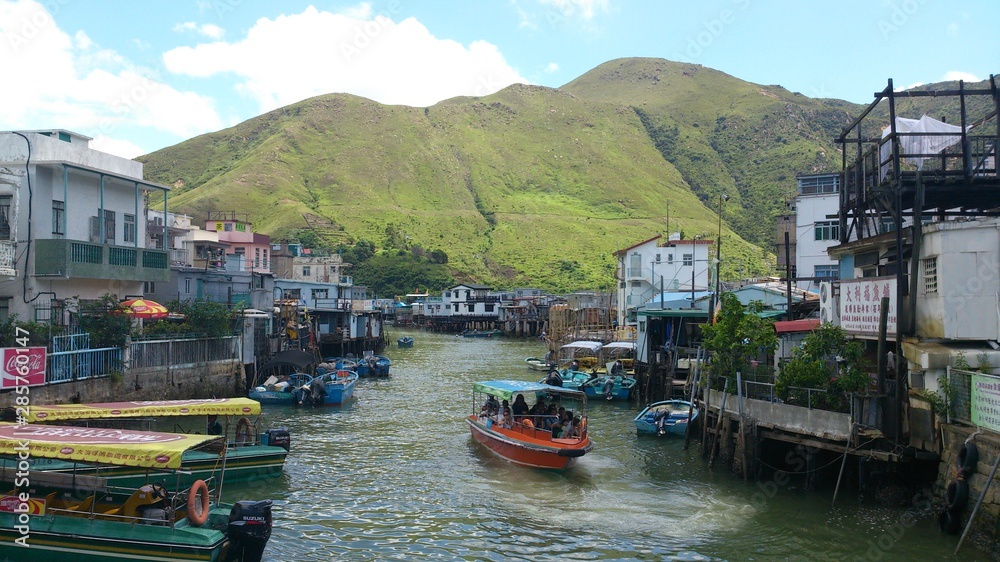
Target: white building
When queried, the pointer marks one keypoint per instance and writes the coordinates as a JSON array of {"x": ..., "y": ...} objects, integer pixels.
[
  {"x": 816, "y": 229},
  {"x": 653, "y": 266},
  {"x": 53, "y": 252}
]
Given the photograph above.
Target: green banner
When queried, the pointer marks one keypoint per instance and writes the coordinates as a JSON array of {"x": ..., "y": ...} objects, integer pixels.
[{"x": 985, "y": 402}]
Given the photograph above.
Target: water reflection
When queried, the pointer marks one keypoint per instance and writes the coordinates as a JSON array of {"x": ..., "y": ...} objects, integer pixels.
[{"x": 395, "y": 475}]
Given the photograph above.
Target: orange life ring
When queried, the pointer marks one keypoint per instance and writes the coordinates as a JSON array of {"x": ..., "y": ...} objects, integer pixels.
[
  {"x": 197, "y": 511},
  {"x": 244, "y": 431}
]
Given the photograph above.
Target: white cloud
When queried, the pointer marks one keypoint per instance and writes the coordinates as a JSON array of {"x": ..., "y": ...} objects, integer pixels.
[
  {"x": 118, "y": 147},
  {"x": 293, "y": 57},
  {"x": 959, "y": 75},
  {"x": 70, "y": 83},
  {"x": 209, "y": 30},
  {"x": 581, "y": 9},
  {"x": 551, "y": 68}
]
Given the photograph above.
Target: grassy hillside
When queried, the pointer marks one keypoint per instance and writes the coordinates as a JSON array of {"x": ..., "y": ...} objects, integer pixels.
[
  {"x": 528, "y": 187},
  {"x": 725, "y": 135}
]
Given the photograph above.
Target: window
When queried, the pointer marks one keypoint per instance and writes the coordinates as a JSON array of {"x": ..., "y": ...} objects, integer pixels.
[
  {"x": 58, "y": 217},
  {"x": 455, "y": 307},
  {"x": 109, "y": 226},
  {"x": 811, "y": 185},
  {"x": 670, "y": 258},
  {"x": 657, "y": 258},
  {"x": 306, "y": 271},
  {"x": 827, "y": 230},
  {"x": 886, "y": 224},
  {"x": 5, "y": 202},
  {"x": 4, "y": 309},
  {"x": 930, "y": 275},
  {"x": 148, "y": 288},
  {"x": 827, "y": 271},
  {"x": 258, "y": 281},
  {"x": 187, "y": 285},
  {"x": 320, "y": 293},
  {"x": 489, "y": 308},
  {"x": 228, "y": 227},
  {"x": 256, "y": 257},
  {"x": 129, "y": 231},
  {"x": 688, "y": 260}
]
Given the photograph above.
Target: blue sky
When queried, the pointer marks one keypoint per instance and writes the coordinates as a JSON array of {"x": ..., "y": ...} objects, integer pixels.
[{"x": 139, "y": 76}]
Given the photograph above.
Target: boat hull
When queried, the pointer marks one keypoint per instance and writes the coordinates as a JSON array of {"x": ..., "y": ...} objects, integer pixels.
[
  {"x": 621, "y": 390},
  {"x": 525, "y": 448},
  {"x": 243, "y": 464},
  {"x": 56, "y": 538},
  {"x": 675, "y": 421},
  {"x": 536, "y": 364}
]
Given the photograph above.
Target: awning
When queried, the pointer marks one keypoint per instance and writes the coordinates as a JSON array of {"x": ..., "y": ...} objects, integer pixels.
[
  {"x": 793, "y": 326},
  {"x": 123, "y": 447},
  {"x": 674, "y": 313},
  {"x": 292, "y": 357},
  {"x": 505, "y": 390},
  {"x": 149, "y": 408}
]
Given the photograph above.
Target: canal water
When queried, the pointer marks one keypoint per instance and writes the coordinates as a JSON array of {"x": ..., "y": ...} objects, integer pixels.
[{"x": 395, "y": 475}]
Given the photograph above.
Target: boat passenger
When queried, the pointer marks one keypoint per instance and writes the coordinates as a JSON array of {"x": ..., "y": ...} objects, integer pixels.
[
  {"x": 574, "y": 365},
  {"x": 573, "y": 429},
  {"x": 493, "y": 405},
  {"x": 554, "y": 378},
  {"x": 504, "y": 417},
  {"x": 549, "y": 356},
  {"x": 617, "y": 370},
  {"x": 519, "y": 408},
  {"x": 551, "y": 417},
  {"x": 213, "y": 427}
]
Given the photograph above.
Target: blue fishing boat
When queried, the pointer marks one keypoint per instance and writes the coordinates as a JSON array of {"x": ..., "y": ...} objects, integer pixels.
[
  {"x": 328, "y": 389},
  {"x": 405, "y": 341},
  {"x": 373, "y": 366},
  {"x": 566, "y": 378},
  {"x": 280, "y": 389},
  {"x": 668, "y": 417},
  {"x": 610, "y": 387}
]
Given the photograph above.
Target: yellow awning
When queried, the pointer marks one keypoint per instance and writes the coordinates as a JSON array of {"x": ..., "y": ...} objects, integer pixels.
[
  {"x": 124, "y": 447},
  {"x": 150, "y": 408}
]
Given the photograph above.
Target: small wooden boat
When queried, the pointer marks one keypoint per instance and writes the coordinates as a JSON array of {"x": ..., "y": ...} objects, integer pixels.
[
  {"x": 373, "y": 366},
  {"x": 405, "y": 341},
  {"x": 253, "y": 453},
  {"x": 610, "y": 387},
  {"x": 77, "y": 517},
  {"x": 538, "y": 364},
  {"x": 523, "y": 441},
  {"x": 668, "y": 417},
  {"x": 279, "y": 390},
  {"x": 327, "y": 389}
]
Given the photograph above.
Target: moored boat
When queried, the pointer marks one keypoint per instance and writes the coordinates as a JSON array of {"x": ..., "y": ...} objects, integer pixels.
[
  {"x": 538, "y": 364},
  {"x": 328, "y": 389},
  {"x": 480, "y": 333},
  {"x": 566, "y": 378},
  {"x": 667, "y": 417},
  {"x": 84, "y": 518},
  {"x": 253, "y": 453},
  {"x": 622, "y": 352},
  {"x": 405, "y": 341},
  {"x": 373, "y": 366},
  {"x": 610, "y": 387},
  {"x": 279, "y": 390},
  {"x": 581, "y": 355},
  {"x": 528, "y": 440}
]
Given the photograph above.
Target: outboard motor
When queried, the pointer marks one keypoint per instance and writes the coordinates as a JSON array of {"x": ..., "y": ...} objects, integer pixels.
[
  {"x": 554, "y": 379},
  {"x": 317, "y": 390},
  {"x": 249, "y": 529},
  {"x": 278, "y": 437},
  {"x": 609, "y": 387}
]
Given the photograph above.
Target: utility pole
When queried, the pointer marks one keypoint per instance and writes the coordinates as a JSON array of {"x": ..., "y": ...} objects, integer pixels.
[{"x": 718, "y": 260}]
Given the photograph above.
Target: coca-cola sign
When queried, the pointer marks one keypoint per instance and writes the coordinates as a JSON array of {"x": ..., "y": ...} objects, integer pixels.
[{"x": 22, "y": 366}]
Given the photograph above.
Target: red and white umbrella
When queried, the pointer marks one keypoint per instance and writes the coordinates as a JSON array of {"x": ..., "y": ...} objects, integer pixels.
[{"x": 143, "y": 308}]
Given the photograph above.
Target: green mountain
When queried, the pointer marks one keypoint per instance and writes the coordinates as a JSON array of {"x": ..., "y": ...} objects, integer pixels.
[{"x": 530, "y": 186}]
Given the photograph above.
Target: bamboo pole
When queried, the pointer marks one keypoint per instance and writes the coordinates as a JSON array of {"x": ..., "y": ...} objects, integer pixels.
[{"x": 718, "y": 424}]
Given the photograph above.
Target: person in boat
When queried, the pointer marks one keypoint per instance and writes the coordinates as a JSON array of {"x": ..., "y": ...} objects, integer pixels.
[
  {"x": 549, "y": 357},
  {"x": 537, "y": 411},
  {"x": 617, "y": 370},
  {"x": 551, "y": 417},
  {"x": 492, "y": 405},
  {"x": 573, "y": 428},
  {"x": 554, "y": 378},
  {"x": 574, "y": 365},
  {"x": 213, "y": 427},
  {"x": 504, "y": 417},
  {"x": 519, "y": 408}
]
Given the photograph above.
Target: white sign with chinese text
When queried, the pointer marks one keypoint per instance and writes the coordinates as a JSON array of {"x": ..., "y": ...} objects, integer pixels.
[
  {"x": 859, "y": 304},
  {"x": 986, "y": 402}
]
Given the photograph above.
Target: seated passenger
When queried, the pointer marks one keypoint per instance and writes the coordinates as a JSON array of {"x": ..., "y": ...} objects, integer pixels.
[{"x": 519, "y": 407}]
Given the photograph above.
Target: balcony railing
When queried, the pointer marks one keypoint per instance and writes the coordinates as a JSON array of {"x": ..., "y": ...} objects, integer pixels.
[
  {"x": 7, "y": 258},
  {"x": 85, "y": 260}
]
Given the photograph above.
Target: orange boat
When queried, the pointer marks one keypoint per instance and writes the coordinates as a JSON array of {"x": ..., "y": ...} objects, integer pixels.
[{"x": 526, "y": 440}]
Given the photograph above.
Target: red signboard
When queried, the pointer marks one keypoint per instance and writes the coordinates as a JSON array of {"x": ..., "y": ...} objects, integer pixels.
[{"x": 22, "y": 366}]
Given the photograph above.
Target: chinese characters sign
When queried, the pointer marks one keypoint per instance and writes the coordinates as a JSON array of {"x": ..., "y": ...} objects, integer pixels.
[
  {"x": 860, "y": 300},
  {"x": 22, "y": 366},
  {"x": 986, "y": 402}
]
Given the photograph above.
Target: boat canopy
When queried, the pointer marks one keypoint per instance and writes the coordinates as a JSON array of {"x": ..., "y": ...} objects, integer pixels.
[
  {"x": 150, "y": 408},
  {"x": 620, "y": 345},
  {"x": 124, "y": 447},
  {"x": 505, "y": 390},
  {"x": 593, "y": 346}
]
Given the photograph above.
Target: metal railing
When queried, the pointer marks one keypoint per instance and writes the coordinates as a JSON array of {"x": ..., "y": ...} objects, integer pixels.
[
  {"x": 83, "y": 364},
  {"x": 160, "y": 353}
]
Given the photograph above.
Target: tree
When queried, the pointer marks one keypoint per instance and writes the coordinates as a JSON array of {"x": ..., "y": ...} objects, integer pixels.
[
  {"x": 826, "y": 360},
  {"x": 738, "y": 337},
  {"x": 106, "y": 325}
]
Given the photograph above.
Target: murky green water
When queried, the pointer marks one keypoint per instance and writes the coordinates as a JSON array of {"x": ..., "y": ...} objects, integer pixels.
[{"x": 395, "y": 475}]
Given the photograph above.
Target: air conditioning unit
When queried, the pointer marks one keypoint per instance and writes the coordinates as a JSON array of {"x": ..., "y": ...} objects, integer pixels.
[{"x": 828, "y": 311}]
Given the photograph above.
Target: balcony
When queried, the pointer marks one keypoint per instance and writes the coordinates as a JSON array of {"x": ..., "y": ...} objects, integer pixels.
[
  {"x": 8, "y": 260},
  {"x": 84, "y": 260}
]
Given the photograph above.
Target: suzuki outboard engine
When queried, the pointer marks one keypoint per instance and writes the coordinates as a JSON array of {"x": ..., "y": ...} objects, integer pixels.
[
  {"x": 249, "y": 529},
  {"x": 278, "y": 437}
]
